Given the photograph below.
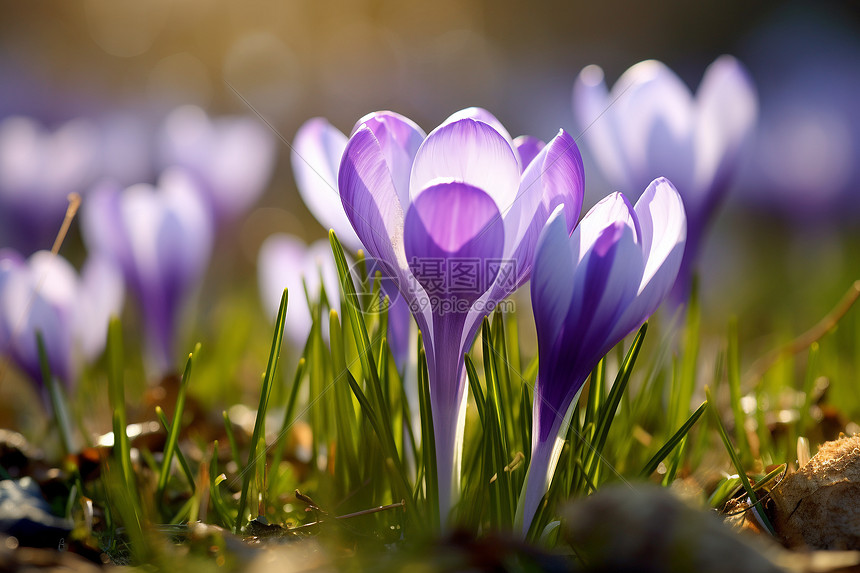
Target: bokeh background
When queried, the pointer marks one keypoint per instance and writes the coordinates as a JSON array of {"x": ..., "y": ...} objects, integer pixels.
[{"x": 786, "y": 237}]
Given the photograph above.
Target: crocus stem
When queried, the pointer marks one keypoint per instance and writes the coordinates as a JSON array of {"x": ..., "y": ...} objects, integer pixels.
[
  {"x": 447, "y": 400},
  {"x": 543, "y": 461}
]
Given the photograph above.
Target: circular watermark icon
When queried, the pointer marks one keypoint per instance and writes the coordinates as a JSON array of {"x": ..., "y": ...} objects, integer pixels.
[{"x": 371, "y": 298}]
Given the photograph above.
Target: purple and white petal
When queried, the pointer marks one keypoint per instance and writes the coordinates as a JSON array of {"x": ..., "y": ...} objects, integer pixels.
[
  {"x": 101, "y": 295},
  {"x": 552, "y": 279},
  {"x": 527, "y": 148},
  {"x": 655, "y": 115},
  {"x": 232, "y": 157},
  {"x": 453, "y": 224},
  {"x": 399, "y": 139},
  {"x": 660, "y": 212},
  {"x": 592, "y": 109},
  {"x": 727, "y": 109},
  {"x": 40, "y": 298},
  {"x": 317, "y": 150},
  {"x": 161, "y": 237},
  {"x": 10, "y": 264},
  {"x": 370, "y": 198},
  {"x": 555, "y": 177},
  {"x": 472, "y": 152},
  {"x": 481, "y": 114},
  {"x": 280, "y": 265}
]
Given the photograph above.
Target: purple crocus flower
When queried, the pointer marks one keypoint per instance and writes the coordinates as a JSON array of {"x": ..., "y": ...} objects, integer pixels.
[
  {"x": 590, "y": 290},
  {"x": 232, "y": 158},
  {"x": 45, "y": 294},
  {"x": 38, "y": 169},
  {"x": 650, "y": 125},
  {"x": 455, "y": 215},
  {"x": 161, "y": 237}
]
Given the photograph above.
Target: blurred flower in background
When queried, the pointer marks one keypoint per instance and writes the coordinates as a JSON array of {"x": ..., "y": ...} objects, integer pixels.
[
  {"x": 39, "y": 168},
  {"x": 126, "y": 147},
  {"x": 286, "y": 261},
  {"x": 231, "y": 158},
  {"x": 316, "y": 153},
  {"x": 161, "y": 237},
  {"x": 650, "y": 125},
  {"x": 44, "y": 294}
]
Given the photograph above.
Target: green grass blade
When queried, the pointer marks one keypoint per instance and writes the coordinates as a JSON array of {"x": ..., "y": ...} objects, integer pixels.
[
  {"x": 231, "y": 438},
  {"x": 495, "y": 429},
  {"x": 734, "y": 375},
  {"x": 475, "y": 386},
  {"x": 503, "y": 375},
  {"x": 369, "y": 364},
  {"x": 685, "y": 383},
  {"x": 607, "y": 412},
  {"x": 173, "y": 435},
  {"x": 116, "y": 397},
  {"x": 259, "y": 423},
  {"x": 530, "y": 375},
  {"x": 428, "y": 443},
  {"x": 289, "y": 411},
  {"x": 189, "y": 475},
  {"x": 352, "y": 304},
  {"x": 346, "y": 424},
  {"x": 58, "y": 400},
  {"x": 392, "y": 461},
  {"x": 525, "y": 426},
  {"x": 672, "y": 442},
  {"x": 804, "y": 424},
  {"x": 222, "y": 509},
  {"x": 737, "y": 463}
]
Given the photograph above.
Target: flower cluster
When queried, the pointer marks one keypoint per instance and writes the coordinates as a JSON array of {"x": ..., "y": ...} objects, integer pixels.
[
  {"x": 159, "y": 237},
  {"x": 466, "y": 191},
  {"x": 454, "y": 221}
]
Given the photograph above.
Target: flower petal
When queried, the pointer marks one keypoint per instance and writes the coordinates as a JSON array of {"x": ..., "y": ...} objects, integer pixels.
[
  {"x": 370, "y": 198},
  {"x": 480, "y": 114},
  {"x": 607, "y": 279},
  {"x": 399, "y": 139},
  {"x": 727, "y": 111},
  {"x": 232, "y": 157},
  {"x": 660, "y": 212},
  {"x": 11, "y": 263},
  {"x": 655, "y": 116},
  {"x": 162, "y": 239},
  {"x": 317, "y": 150},
  {"x": 471, "y": 152},
  {"x": 595, "y": 118},
  {"x": 552, "y": 281},
  {"x": 399, "y": 323},
  {"x": 39, "y": 297},
  {"x": 611, "y": 209},
  {"x": 280, "y": 264},
  {"x": 453, "y": 228},
  {"x": 101, "y": 296},
  {"x": 527, "y": 148},
  {"x": 555, "y": 177}
]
